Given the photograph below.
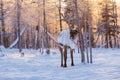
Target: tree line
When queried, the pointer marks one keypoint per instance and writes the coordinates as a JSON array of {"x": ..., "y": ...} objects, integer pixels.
[{"x": 41, "y": 16}]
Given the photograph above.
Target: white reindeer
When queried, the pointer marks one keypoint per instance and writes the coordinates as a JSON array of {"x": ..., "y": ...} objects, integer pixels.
[{"x": 68, "y": 39}]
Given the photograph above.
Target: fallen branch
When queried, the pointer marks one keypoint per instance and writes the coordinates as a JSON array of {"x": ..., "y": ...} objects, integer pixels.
[
  {"x": 54, "y": 40},
  {"x": 16, "y": 41}
]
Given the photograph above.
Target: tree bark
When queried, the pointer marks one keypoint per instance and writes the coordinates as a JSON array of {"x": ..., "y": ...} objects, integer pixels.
[
  {"x": 2, "y": 24},
  {"x": 45, "y": 29},
  {"x": 18, "y": 5},
  {"x": 60, "y": 15},
  {"x": 80, "y": 34}
]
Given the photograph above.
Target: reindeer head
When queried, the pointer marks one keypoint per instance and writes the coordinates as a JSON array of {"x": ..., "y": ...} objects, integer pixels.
[{"x": 73, "y": 33}]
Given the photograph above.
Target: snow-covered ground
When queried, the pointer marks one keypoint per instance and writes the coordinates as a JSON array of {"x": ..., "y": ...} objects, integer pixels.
[{"x": 34, "y": 66}]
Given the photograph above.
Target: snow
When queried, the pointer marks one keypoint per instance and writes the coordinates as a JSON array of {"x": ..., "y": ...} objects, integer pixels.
[
  {"x": 64, "y": 38},
  {"x": 37, "y": 66},
  {"x": 2, "y": 51}
]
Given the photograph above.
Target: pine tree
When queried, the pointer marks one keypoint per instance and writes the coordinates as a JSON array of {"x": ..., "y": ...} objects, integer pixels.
[{"x": 109, "y": 17}]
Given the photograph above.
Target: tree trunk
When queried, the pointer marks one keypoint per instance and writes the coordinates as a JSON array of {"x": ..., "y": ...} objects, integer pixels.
[
  {"x": 18, "y": 5},
  {"x": 47, "y": 45},
  {"x": 2, "y": 24},
  {"x": 80, "y": 34},
  {"x": 60, "y": 15}
]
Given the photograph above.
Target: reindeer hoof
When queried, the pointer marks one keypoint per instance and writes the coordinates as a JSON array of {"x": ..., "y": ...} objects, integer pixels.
[
  {"x": 61, "y": 65},
  {"x": 72, "y": 64},
  {"x": 65, "y": 66}
]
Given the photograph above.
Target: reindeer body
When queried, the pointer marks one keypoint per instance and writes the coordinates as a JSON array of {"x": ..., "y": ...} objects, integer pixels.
[{"x": 68, "y": 40}]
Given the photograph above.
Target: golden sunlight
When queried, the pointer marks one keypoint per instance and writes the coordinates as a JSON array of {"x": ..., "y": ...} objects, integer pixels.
[{"x": 118, "y": 1}]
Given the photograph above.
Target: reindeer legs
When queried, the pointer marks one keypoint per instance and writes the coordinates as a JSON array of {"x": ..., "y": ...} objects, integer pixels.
[
  {"x": 61, "y": 52},
  {"x": 65, "y": 56},
  {"x": 71, "y": 53}
]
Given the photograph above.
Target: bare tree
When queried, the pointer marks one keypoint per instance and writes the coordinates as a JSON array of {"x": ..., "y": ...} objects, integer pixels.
[
  {"x": 18, "y": 15},
  {"x": 46, "y": 41},
  {"x": 60, "y": 15},
  {"x": 2, "y": 23},
  {"x": 80, "y": 16},
  {"x": 80, "y": 33}
]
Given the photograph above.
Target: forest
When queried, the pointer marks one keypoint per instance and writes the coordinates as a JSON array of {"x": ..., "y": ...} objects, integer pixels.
[
  {"x": 27, "y": 21},
  {"x": 44, "y": 39}
]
